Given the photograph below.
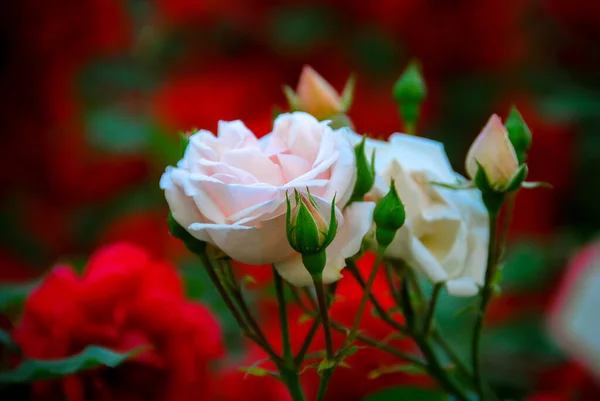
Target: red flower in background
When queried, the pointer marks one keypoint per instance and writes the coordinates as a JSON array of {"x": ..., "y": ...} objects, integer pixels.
[{"x": 123, "y": 300}]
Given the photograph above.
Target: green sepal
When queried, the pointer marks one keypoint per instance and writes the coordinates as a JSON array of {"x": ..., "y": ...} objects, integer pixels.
[
  {"x": 340, "y": 120},
  {"x": 184, "y": 141},
  {"x": 333, "y": 224},
  {"x": 292, "y": 98},
  {"x": 518, "y": 179},
  {"x": 519, "y": 133},
  {"x": 536, "y": 184},
  {"x": 492, "y": 199},
  {"x": 193, "y": 244},
  {"x": 365, "y": 173},
  {"x": 348, "y": 93}
]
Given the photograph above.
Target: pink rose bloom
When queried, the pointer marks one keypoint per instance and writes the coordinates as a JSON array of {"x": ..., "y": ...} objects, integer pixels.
[{"x": 229, "y": 190}]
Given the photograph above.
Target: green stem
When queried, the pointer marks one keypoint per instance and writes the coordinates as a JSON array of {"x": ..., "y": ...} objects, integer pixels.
[
  {"x": 434, "y": 366},
  {"x": 325, "y": 377},
  {"x": 308, "y": 340},
  {"x": 291, "y": 378},
  {"x": 239, "y": 300},
  {"x": 283, "y": 320},
  {"x": 431, "y": 311},
  {"x": 383, "y": 314},
  {"x": 436, "y": 370},
  {"x": 486, "y": 294},
  {"x": 323, "y": 311},
  {"x": 288, "y": 368},
  {"x": 505, "y": 225},
  {"x": 366, "y": 294},
  {"x": 384, "y": 347},
  {"x": 456, "y": 360},
  {"x": 392, "y": 285}
]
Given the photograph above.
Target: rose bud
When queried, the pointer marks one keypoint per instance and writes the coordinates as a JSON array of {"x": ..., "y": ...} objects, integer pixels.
[
  {"x": 317, "y": 97},
  {"x": 409, "y": 92},
  {"x": 389, "y": 215},
  {"x": 308, "y": 231},
  {"x": 493, "y": 152}
]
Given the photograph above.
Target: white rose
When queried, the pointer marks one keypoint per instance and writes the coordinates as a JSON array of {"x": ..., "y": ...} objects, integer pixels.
[
  {"x": 230, "y": 190},
  {"x": 446, "y": 231}
]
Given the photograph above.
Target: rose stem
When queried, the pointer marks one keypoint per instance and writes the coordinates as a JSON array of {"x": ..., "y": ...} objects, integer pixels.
[{"x": 486, "y": 294}]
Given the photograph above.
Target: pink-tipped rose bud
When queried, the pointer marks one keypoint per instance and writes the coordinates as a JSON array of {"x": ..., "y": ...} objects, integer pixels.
[
  {"x": 316, "y": 96},
  {"x": 493, "y": 151}
]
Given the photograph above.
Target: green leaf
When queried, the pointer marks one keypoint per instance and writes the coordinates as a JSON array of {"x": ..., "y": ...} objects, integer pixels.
[
  {"x": 13, "y": 296},
  {"x": 7, "y": 342},
  {"x": 325, "y": 364},
  {"x": 31, "y": 370},
  {"x": 114, "y": 130},
  {"x": 407, "y": 368},
  {"x": 255, "y": 369},
  {"x": 407, "y": 394}
]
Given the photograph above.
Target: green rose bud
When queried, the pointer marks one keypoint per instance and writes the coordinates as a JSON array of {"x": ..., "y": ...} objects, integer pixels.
[
  {"x": 409, "y": 92},
  {"x": 518, "y": 133},
  {"x": 389, "y": 215},
  {"x": 308, "y": 232}
]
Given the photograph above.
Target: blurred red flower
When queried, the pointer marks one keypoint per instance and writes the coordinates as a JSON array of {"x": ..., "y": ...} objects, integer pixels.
[{"x": 123, "y": 300}]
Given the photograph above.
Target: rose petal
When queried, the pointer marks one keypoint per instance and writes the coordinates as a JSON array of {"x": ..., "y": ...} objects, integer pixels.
[
  {"x": 254, "y": 162},
  {"x": 462, "y": 287},
  {"x": 251, "y": 245}
]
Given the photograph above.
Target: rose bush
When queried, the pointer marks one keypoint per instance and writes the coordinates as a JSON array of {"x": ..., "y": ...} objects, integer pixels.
[
  {"x": 123, "y": 300},
  {"x": 446, "y": 231},
  {"x": 230, "y": 190}
]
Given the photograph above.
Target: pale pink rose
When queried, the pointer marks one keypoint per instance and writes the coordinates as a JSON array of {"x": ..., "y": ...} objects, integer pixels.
[
  {"x": 230, "y": 190},
  {"x": 316, "y": 96},
  {"x": 493, "y": 150}
]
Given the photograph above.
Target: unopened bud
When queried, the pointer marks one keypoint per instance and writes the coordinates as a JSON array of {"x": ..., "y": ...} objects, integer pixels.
[
  {"x": 409, "y": 92},
  {"x": 316, "y": 96},
  {"x": 389, "y": 215},
  {"x": 308, "y": 232},
  {"x": 493, "y": 152},
  {"x": 518, "y": 133}
]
